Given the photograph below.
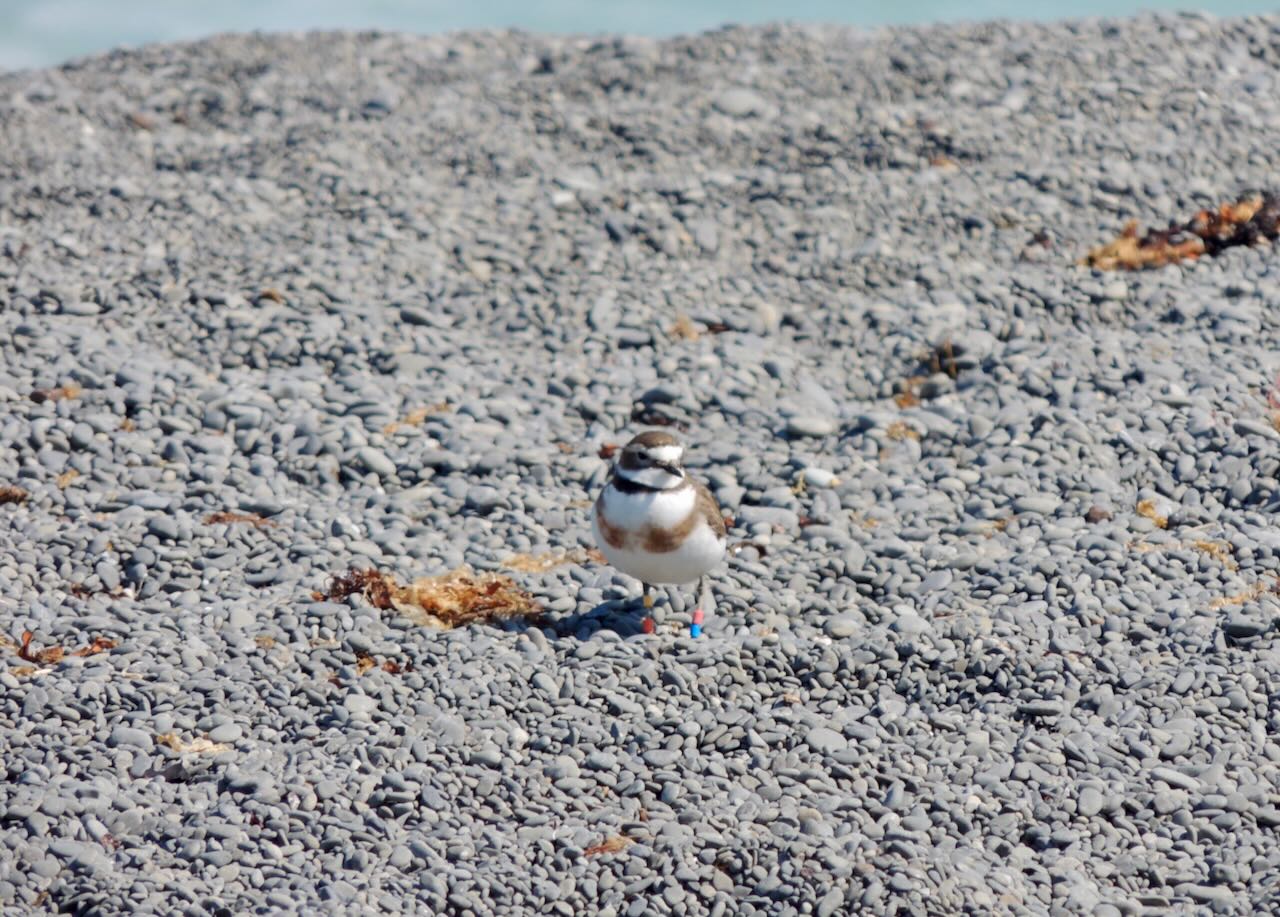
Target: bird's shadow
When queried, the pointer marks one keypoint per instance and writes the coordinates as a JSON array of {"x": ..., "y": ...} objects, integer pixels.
[{"x": 624, "y": 617}]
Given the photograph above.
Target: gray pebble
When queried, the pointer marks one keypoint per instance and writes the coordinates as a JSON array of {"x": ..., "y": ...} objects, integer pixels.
[
  {"x": 165, "y": 527},
  {"x": 82, "y": 307},
  {"x": 1044, "y": 504},
  {"x": 360, "y": 705},
  {"x": 740, "y": 102},
  {"x": 377, "y": 462},
  {"x": 825, "y": 741},
  {"x": 130, "y": 737},
  {"x": 842, "y": 626},
  {"x": 810, "y": 425}
]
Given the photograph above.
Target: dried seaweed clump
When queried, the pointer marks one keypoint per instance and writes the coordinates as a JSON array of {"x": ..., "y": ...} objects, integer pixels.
[
  {"x": 230, "y": 518},
  {"x": 1256, "y": 591},
  {"x": 417, "y": 416},
  {"x": 1220, "y": 551},
  {"x": 41, "y": 395},
  {"x": 11, "y": 494},
  {"x": 614, "y": 844},
  {"x": 541, "y": 563},
  {"x": 462, "y": 597},
  {"x": 1149, "y": 509},
  {"x": 377, "y": 588},
  {"x": 450, "y": 600},
  {"x": 1209, "y": 232},
  {"x": 197, "y": 746},
  {"x": 898, "y": 431},
  {"x": 53, "y": 654}
]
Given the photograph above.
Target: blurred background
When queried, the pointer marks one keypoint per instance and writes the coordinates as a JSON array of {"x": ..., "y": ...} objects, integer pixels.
[{"x": 37, "y": 33}]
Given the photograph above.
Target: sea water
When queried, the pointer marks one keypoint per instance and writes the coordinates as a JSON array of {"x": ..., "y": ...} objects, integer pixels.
[{"x": 36, "y": 33}]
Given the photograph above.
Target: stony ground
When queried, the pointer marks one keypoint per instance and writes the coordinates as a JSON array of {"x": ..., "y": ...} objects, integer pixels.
[{"x": 997, "y": 633}]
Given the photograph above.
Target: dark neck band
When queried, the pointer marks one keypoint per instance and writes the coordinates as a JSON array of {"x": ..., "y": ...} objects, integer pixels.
[{"x": 628, "y": 486}]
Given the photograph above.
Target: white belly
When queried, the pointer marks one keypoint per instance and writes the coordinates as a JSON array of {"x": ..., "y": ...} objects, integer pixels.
[{"x": 698, "y": 555}]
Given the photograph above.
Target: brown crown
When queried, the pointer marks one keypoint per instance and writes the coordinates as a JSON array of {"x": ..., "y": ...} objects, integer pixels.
[{"x": 651, "y": 438}]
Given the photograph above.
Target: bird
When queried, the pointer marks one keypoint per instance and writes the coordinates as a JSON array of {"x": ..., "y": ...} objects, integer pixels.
[{"x": 656, "y": 522}]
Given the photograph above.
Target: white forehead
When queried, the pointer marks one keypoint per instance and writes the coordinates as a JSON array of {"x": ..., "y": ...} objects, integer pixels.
[{"x": 666, "y": 453}]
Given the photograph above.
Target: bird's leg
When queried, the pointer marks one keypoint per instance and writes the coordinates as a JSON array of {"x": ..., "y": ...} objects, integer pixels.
[
  {"x": 648, "y": 623},
  {"x": 695, "y": 628}
]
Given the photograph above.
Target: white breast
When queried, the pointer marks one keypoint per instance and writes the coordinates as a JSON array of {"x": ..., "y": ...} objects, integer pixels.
[{"x": 635, "y": 511}]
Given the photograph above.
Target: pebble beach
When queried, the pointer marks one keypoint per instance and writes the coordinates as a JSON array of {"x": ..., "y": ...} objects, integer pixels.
[{"x": 996, "y": 633}]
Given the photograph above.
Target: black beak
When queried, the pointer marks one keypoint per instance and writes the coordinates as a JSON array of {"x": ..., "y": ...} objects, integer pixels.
[{"x": 669, "y": 468}]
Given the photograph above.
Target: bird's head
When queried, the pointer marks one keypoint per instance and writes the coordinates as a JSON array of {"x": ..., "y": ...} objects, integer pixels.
[{"x": 653, "y": 460}]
